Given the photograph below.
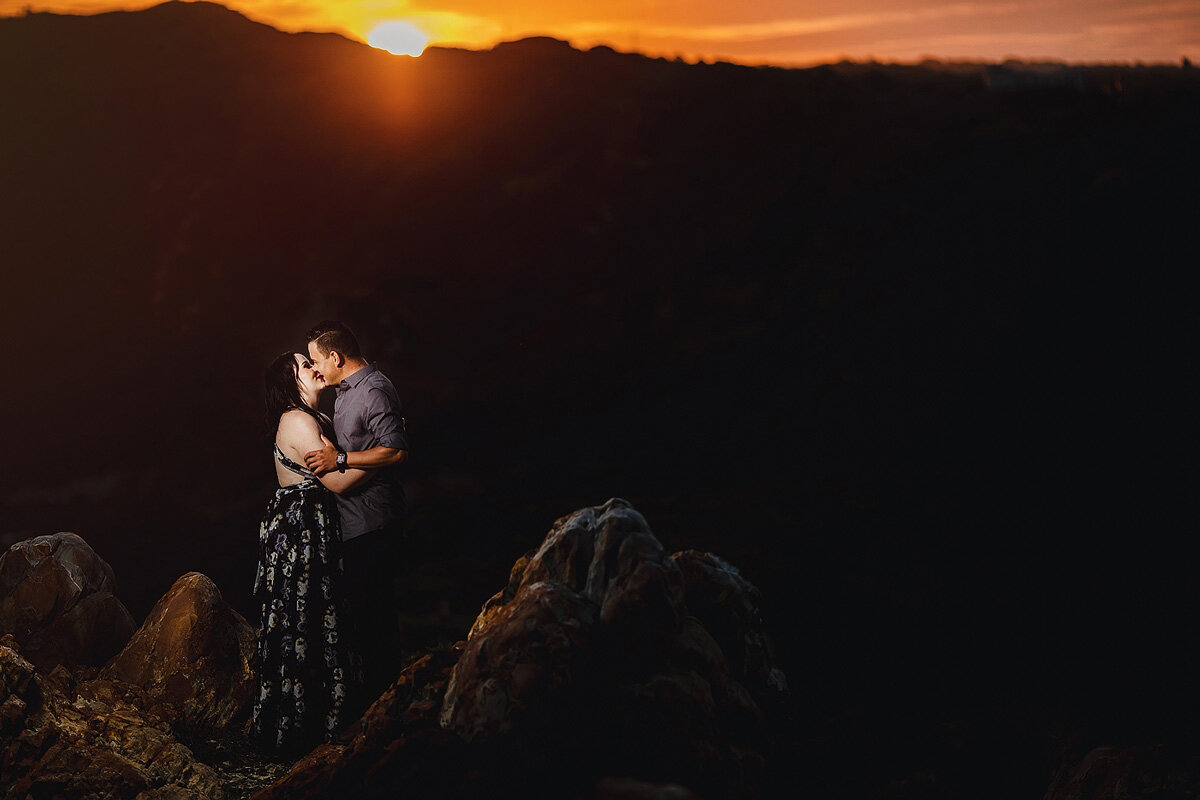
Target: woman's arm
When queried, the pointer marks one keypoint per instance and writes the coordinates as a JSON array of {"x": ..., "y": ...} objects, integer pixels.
[{"x": 300, "y": 433}]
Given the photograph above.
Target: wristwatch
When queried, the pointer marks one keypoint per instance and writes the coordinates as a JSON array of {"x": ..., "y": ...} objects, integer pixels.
[{"x": 341, "y": 460}]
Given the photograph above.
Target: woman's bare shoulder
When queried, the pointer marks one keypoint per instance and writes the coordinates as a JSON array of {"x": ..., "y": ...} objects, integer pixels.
[{"x": 296, "y": 422}]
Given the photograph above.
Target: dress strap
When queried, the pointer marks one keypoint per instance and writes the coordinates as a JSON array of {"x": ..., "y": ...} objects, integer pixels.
[{"x": 292, "y": 465}]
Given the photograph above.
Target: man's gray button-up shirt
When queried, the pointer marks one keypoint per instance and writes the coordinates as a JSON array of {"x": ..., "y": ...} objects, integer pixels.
[{"x": 367, "y": 414}]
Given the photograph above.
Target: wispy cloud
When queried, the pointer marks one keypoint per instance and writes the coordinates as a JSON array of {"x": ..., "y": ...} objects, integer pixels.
[
  {"x": 1091, "y": 43},
  {"x": 447, "y": 27},
  {"x": 799, "y": 26}
]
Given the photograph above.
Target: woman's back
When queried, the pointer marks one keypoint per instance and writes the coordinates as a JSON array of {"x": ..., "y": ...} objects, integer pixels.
[{"x": 298, "y": 433}]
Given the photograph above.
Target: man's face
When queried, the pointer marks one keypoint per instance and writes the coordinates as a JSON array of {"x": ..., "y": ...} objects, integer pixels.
[{"x": 325, "y": 364}]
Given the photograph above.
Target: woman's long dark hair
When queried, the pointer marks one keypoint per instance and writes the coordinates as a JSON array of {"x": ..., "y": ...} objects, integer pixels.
[{"x": 283, "y": 394}]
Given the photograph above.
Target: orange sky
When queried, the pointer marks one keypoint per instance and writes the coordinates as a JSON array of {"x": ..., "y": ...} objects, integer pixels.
[{"x": 760, "y": 31}]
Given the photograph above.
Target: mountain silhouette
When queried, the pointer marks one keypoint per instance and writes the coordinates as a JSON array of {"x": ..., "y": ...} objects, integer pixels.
[{"x": 901, "y": 347}]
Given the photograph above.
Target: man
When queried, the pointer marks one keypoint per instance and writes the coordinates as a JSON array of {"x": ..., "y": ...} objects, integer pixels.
[{"x": 371, "y": 435}]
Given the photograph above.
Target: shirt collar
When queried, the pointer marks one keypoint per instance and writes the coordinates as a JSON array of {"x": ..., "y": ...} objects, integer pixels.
[{"x": 355, "y": 379}]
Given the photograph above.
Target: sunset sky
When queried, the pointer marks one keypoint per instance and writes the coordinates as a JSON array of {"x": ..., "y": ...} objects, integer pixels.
[{"x": 786, "y": 32}]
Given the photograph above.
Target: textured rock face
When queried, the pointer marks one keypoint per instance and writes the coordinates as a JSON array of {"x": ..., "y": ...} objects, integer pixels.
[
  {"x": 728, "y": 606},
  {"x": 515, "y": 678},
  {"x": 606, "y": 554},
  {"x": 594, "y": 635},
  {"x": 93, "y": 742},
  {"x": 193, "y": 656},
  {"x": 598, "y": 572},
  {"x": 57, "y": 599}
]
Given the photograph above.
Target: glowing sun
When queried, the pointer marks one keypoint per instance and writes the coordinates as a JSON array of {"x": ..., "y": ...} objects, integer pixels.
[{"x": 399, "y": 37}]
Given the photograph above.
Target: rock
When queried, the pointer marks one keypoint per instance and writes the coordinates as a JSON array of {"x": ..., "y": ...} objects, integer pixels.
[
  {"x": 97, "y": 743},
  {"x": 607, "y": 555},
  {"x": 594, "y": 625},
  {"x": 513, "y": 675},
  {"x": 194, "y": 655},
  {"x": 397, "y": 747},
  {"x": 1153, "y": 772},
  {"x": 19, "y": 688},
  {"x": 58, "y": 600},
  {"x": 587, "y": 665},
  {"x": 728, "y": 606}
]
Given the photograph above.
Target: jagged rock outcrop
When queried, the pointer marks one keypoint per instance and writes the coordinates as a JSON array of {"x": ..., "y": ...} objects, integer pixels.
[
  {"x": 193, "y": 656},
  {"x": 587, "y": 674},
  {"x": 58, "y": 600},
  {"x": 94, "y": 742},
  {"x": 594, "y": 634},
  {"x": 598, "y": 573}
]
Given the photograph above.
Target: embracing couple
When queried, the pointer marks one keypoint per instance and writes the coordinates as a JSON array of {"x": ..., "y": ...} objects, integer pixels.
[{"x": 328, "y": 543}]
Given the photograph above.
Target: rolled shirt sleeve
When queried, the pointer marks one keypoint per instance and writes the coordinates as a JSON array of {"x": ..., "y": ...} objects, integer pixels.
[{"x": 383, "y": 418}]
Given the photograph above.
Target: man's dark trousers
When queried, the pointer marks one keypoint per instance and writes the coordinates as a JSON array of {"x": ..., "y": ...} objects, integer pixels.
[{"x": 371, "y": 566}]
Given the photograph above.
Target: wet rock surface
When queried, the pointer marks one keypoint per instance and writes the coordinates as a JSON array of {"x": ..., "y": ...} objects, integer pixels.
[
  {"x": 58, "y": 600},
  {"x": 193, "y": 657}
]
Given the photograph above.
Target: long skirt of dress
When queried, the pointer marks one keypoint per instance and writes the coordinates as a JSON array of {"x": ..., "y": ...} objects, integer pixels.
[{"x": 305, "y": 665}]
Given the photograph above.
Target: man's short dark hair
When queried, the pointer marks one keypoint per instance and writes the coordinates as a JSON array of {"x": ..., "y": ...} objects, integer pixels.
[{"x": 332, "y": 335}]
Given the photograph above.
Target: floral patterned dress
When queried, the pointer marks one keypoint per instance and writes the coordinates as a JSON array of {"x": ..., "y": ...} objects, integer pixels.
[{"x": 305, "y": 666}]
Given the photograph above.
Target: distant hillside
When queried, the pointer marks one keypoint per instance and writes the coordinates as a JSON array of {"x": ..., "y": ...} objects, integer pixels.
[{"x": 903, "y": 347}]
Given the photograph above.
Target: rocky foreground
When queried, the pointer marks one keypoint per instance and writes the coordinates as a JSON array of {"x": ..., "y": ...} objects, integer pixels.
[
  {"x": 605, "y": 668},
  {"x": 70, "y": 730},
  {"x": 605, "y": 665}
]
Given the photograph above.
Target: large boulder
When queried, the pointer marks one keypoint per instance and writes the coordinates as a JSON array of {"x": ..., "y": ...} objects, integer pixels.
[
  {"x": 594, "y": 635},
  {"x": 95, "y": 741},
  {"x": 608, "y": 555},
  {"x": 58, "y": 600},
  {"x": 194, "y": 655},
  {"x": 599, "y": 573}
]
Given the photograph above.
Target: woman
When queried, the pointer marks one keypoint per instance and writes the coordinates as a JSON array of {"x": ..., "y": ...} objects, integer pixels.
[{"x": 305, "y": 665}]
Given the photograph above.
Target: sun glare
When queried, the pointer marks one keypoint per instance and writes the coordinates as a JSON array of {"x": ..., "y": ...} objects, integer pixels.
[{"x": 398, "y": 37}]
